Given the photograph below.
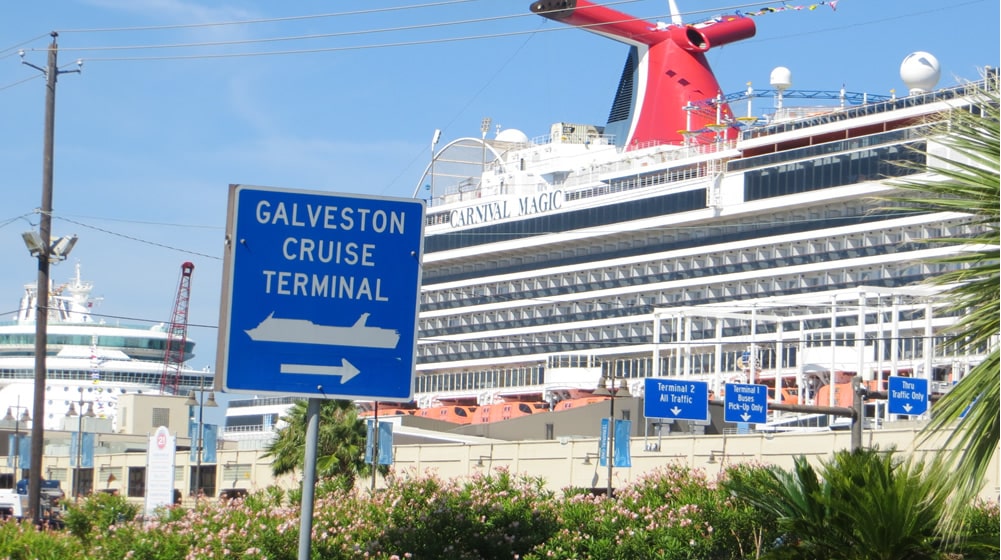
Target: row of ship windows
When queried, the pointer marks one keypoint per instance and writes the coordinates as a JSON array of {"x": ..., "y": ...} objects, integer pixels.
[
  {"x": 828, "y": 148},
  {"x": 508, "y": 377},
  {"x": 632, "y": 243},
  {"x": 632, "y": 182},
  {"x": 568, "y": 221},
  {"x": 832, "y": 171},
  {"x": 546, "y": 313},
  {"x": 115, "y": 342},
  {"x": 104, "y": 377},
  {"x": 732, "y": 261},
  {"x": 704, "y": 328},
  {"x": 570, "y": 340},
  {"x": 633, "y": 367}
]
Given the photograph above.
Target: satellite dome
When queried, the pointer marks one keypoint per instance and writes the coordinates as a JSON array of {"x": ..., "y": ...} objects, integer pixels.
[
  {"x": 920, "y": 72},
  {"x": 512, "y": 135},
  {"x": 781, "y": 78}
]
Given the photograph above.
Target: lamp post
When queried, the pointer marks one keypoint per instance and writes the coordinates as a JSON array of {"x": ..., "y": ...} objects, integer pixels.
[
  {"x": 611, "y": 387},
  {"x": 484, "y": 129},
  {"x": 23, "y": 419},
  {"x": 79, "y": 439},
  {"x": 201, "y": 402}
]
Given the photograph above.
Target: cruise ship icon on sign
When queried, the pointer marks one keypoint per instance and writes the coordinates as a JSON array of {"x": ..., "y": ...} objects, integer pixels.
[{"x": 301, "y": 331}]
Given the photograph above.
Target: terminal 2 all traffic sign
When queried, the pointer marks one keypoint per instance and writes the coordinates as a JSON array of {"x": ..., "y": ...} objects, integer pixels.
[
  {"x": 907, "y": 395},
  {"x": 676, "y": 399},
  {"x": 745, "y": 403},
  {"x": 320, "y": 294}
]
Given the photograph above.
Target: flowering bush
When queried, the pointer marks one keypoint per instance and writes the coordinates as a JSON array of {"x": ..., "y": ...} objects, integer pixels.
[{"x": 671, "y": 513}]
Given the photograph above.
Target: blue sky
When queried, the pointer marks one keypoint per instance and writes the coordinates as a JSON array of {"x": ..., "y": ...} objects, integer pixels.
[{"x": 145, "y": 147}]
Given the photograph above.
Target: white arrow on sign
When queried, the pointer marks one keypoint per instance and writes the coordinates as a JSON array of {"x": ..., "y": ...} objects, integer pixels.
[
  {"x": 346, "y": 370},
  {"x": 907, "y": 407},
  {"x": 675, "y": 411},
  {"x": 745, "y": 416}
]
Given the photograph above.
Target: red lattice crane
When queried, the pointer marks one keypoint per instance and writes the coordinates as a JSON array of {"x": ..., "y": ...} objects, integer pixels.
[{"x": 177, "y": 334}]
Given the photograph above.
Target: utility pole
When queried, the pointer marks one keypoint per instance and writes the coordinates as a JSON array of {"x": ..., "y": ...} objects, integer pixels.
[{"x": 42, "y": 288}]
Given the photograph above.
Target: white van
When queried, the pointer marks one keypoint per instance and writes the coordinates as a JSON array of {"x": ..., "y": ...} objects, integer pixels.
[{"x": 12, "y": 504}]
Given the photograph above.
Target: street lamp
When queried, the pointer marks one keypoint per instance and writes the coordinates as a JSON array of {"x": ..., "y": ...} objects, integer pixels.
[
  {"x": 201, "y": 402},
  {"x": 79, "y": 439},
  {"x": 23, "y": 419},
  {"x": 611, "y": 387}
]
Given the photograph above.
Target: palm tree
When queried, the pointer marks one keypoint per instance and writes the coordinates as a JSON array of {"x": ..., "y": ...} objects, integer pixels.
[
  {"x": 340, "y": 442},
  {"x": 968, "y": 181},
  {"x": 862, "y": 504}
]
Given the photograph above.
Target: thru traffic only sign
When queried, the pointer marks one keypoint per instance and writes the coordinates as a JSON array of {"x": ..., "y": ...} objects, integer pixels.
[
  {"x": 907, "y": 395},
  {"x": 745, "y": 403},
  {"x": 676, "y": 398},
  {"x": 320, "y": 294}
]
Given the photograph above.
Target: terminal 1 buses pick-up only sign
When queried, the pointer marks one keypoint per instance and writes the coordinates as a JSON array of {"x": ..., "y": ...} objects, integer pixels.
[{"x": 320, "y": 294}]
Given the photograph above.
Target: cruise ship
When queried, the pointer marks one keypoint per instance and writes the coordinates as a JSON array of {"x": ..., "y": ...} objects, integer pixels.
[
  {"x": 90, "y": 362},
  {"x": 687, "y": 236}
]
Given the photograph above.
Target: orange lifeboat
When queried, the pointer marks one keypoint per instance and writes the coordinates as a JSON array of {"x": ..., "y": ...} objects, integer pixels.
[{"x": 506, "y": 411}]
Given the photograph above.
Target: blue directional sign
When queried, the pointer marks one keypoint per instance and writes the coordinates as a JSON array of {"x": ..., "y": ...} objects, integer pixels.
[
  {"x": 320, "y": 294},
  {"x": 745, "y": 403},
  {"x": 907, "y": 395},
  {"x": 676, "y": 398}
]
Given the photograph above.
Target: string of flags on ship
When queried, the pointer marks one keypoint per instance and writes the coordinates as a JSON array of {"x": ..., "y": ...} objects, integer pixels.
[{"x": 784, "y": 7}]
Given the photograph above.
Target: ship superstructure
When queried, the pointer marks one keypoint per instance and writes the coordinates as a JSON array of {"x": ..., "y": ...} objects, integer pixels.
[
  {"x": 89, "y": 361},
  {"x": 606, "y": 250}
]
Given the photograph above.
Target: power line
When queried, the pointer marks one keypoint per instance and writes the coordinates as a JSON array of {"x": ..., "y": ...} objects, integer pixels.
[
  {"x": 138, "y": 239},
  {"x": 144, "y": 222},
  {"x": 432, "y": 41},
  {"x": 298, "y": 37},
  {"x": 21, "y": 44},
  {"x": 264, "y": 20}
]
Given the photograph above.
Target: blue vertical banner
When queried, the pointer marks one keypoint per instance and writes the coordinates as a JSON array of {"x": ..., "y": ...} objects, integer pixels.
[
  {"x": 85, "y": 452},
  {"x": 620, "y": 444},
  {"x": 193, "y": 433},
  {"x": 24, "y": 453},
  {"x": 210, "y": 436},
  {"x": 603, "y": 443},
  {"x": 385, "y": 442},
  {"x": 11, "y": 450}
]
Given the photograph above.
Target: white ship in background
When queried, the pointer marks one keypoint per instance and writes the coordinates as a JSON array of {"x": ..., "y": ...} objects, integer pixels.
[
  {"x": 89, "y": 360},
  {"x": 683, "y": 238}
]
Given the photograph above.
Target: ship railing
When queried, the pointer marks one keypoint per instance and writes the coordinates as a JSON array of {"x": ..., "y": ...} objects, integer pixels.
[
  {"x": 247, "y": 429},
  {"x": 263, "y": 401},
  {"x": 888, "y": 106},
  {"x": 598, "y": 140},
  {"x": 627, "y": 165}
]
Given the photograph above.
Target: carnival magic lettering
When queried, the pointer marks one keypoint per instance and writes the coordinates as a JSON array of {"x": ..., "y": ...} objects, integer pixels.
[{"x": 499, "y": 210}]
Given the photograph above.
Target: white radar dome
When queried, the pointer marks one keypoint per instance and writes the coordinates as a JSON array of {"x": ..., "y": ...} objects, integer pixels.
[
  {"x": 512, "y": 135},
  {"x": 920, "y": 72},
  {"x": 781, "y": 78}
]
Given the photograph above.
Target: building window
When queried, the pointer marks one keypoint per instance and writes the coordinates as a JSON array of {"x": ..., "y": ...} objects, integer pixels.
[{"x": 137, "y": 482}]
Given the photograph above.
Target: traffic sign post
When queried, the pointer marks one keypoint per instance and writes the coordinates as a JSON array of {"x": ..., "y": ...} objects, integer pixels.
[
  {"x": 320, "y": 294},
  {"x": 745, "y": 403},
  {"x": 907, "y": 395},
  {"x": 676, "y": 399}
]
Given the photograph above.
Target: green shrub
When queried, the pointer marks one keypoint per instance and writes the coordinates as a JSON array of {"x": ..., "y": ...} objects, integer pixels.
[{"x": 96, "y": 513}]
